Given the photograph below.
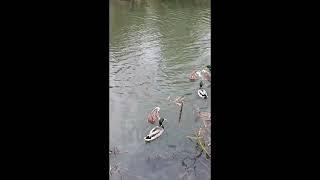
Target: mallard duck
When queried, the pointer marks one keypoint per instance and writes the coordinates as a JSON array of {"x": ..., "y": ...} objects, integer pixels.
[
  {"x": 205, "y": 71},
  {"x": 206, "y": 75},
  {"x": 201, "y": 92},
  {"x": 199, "y": 74},
  {"x": 155, "y": 132},
  {"x": 193, "y": 76},
  {"x": 154, "y": 115}
]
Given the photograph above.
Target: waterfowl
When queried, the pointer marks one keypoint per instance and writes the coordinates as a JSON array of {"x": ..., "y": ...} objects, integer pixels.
[
  {"x": 201, "y": 92},
  {"x": 199, "y": 74},
  {"x": 155, "y": 132},
  {"x": 206, "y": 75},
  {"x": 205, "y": 71},
  {"x": 154, "y": 115},
  {"x": 193, "y": 76}
]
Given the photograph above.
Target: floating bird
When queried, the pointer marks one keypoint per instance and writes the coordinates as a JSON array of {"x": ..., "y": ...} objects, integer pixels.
[
  {"x": 155, "y": 132},
  {"x": 201, "y": 92},
  {"x": 193, "y": 76},
  {"x": 154, "y": 115},
  {"x": 206, "y": 75}
]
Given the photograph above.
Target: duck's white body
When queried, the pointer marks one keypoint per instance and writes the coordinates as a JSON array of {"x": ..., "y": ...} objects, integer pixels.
[
  {"x": 205, "y": 75},
  {"x": 202, "y": 93},
  {"x": 204, "y": 71},
  {"x": 154, "y": 134}
]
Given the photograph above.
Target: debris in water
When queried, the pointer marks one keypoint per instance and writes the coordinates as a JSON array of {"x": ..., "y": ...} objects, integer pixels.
[
  {"x": 178, "y": 100},
  {"x": 180, "y": 111}
]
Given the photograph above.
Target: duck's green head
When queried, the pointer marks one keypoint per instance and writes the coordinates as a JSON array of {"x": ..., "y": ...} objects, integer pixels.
[
  {"x": 201, "y": 84},
  {"x": 209, "y": 67},
  {"x": 161, "y": 121}
]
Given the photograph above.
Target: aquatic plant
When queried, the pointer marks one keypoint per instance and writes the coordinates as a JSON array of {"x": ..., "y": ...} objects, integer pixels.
[{"x": 202, "y": 136}]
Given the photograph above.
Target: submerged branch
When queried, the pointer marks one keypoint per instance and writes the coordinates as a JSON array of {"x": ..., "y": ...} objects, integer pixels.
[{"x": 180, "y": 112}]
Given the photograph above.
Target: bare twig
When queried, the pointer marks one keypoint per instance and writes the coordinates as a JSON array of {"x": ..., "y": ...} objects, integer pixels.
[{"x": 180, "y": 111}]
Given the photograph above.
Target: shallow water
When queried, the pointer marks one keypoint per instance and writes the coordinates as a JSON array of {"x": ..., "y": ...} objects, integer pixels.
[{"x": 154, "y": 46}]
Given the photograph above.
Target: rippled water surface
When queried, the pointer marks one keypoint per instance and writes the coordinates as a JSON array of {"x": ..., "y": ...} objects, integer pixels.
[{"x": 154, "y": 46}]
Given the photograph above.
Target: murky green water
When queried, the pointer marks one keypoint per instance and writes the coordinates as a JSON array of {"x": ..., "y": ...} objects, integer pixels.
[{"x": 154, "y": 46}]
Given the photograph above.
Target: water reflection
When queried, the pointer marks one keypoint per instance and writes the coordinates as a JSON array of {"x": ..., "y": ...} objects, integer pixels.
[{"x": 154, "y": 45}]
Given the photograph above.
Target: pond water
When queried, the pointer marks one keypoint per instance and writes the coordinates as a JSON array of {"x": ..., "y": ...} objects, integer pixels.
[{"x": 154, "y": 46}]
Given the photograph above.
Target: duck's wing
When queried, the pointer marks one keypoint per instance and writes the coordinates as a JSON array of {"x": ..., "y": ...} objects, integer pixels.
[
  {"x": 199, "y": 92},
  {"x": 155, "y": 131},
  {"x": 202, "y": 93}
]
